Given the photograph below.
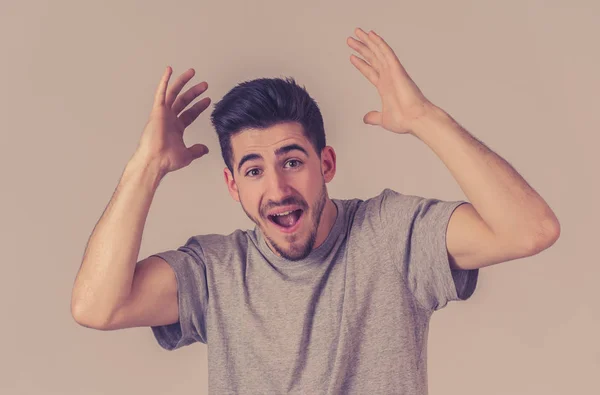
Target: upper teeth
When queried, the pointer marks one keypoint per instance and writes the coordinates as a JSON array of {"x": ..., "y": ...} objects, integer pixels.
[{"x": 286, "y": 213}]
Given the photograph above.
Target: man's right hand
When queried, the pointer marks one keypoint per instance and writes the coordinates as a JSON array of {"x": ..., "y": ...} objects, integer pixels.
[{"x": 162, "y": 139}]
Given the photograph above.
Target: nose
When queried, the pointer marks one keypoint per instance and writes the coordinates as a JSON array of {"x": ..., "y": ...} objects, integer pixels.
[{"x": 278, "y": 187}]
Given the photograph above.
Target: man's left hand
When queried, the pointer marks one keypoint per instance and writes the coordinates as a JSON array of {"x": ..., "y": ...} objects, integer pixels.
[{"x": 402, "y": 101}]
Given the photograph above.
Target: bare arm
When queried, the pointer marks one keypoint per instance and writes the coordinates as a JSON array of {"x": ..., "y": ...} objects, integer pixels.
[
  {"x": 110, "y": 290},
  {"x": 106, "y": 274}
]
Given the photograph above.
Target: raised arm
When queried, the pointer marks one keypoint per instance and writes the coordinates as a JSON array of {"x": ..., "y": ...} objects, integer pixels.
[{"x": 111, "y": 291}]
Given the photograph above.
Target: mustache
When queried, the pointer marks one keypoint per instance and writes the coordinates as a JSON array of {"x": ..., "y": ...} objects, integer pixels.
[{"x": 286, "y": 202}]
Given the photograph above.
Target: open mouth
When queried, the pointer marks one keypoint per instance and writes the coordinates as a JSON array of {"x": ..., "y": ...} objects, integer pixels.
[{"x": 289, "y": 221}]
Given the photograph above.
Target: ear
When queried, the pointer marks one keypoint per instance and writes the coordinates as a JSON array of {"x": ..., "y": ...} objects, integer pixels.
[
  {"x": 231, "y": 185},
  {"x": 328, "y": 163}
]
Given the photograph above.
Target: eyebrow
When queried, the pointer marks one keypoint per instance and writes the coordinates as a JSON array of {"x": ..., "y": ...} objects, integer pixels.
[{"x": 278, "y": 152}]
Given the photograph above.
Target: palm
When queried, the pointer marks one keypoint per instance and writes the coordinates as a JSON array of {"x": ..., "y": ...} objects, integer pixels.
[
  {"x": 162, "y": 138},
  {"x": 401, "y": 100}
]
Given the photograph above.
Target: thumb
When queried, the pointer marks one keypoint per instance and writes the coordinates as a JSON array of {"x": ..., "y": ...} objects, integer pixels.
[
  {"x": 198, "y": 150},
  {"x": 372, "y": 118}
]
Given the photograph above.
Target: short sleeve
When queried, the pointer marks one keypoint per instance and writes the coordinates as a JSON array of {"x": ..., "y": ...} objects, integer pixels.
[
  {"x": 192, "y": 293},
  {"x": 415, "y": 230}
]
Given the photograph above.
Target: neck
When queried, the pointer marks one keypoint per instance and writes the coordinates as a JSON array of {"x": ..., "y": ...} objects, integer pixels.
[{"x": 328, "y": 218}]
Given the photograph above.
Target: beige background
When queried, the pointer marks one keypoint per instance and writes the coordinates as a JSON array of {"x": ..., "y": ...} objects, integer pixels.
[{"x": 78, "y": 80}]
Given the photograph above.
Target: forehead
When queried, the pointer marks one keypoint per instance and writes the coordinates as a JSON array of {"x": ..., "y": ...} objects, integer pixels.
[{"x": 265, "y": 141}]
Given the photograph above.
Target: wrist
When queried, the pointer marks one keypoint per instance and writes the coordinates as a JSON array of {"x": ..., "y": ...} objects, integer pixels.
[
  {"x": 149, "y": 168},
  {"x": 431, "y": 119}
]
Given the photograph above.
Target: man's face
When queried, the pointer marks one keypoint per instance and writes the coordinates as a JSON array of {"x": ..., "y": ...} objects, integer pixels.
[{"x": 276, "y": 171}]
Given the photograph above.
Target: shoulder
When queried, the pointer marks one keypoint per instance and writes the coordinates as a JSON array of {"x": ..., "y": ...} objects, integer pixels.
[
  {"x": 388, "y": 199},
  {"x": 396, "y": 209},
  {"x": 219, "y": 246}
]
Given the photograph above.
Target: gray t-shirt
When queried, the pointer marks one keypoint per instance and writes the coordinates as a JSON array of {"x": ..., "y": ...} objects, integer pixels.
[{"x": 351, "y": 318}]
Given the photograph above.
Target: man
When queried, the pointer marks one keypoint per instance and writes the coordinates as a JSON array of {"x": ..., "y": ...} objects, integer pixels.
[{"x": 324, "y": 296}]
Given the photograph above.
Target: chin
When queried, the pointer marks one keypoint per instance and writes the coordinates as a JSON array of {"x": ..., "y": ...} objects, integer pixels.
[
  {"x": 293, "y": 247},
  {"x": 294, "y": 254}
]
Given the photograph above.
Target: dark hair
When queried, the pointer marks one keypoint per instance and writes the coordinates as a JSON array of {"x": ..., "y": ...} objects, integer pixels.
[{"x": 262, "y": 103}]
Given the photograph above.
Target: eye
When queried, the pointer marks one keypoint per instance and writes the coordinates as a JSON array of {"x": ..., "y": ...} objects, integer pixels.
[
  {"x": 250, "y": 171},
  {"x": 294, "y": 160},
  {"x": 250, "y": 174}
]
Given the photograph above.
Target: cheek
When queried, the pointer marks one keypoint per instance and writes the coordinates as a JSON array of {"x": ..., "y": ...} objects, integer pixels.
[
  {"x": 249, "y": 203},
  {"x": 313, "y": 186}
]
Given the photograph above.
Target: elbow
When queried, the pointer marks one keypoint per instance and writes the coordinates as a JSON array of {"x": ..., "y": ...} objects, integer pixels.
[
  {"x": 547, "y": 234},
  {"x": 89, "y": 319}
]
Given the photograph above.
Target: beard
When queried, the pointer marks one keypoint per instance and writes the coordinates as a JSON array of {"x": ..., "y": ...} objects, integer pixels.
[{"x": 296, "y": 249}]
